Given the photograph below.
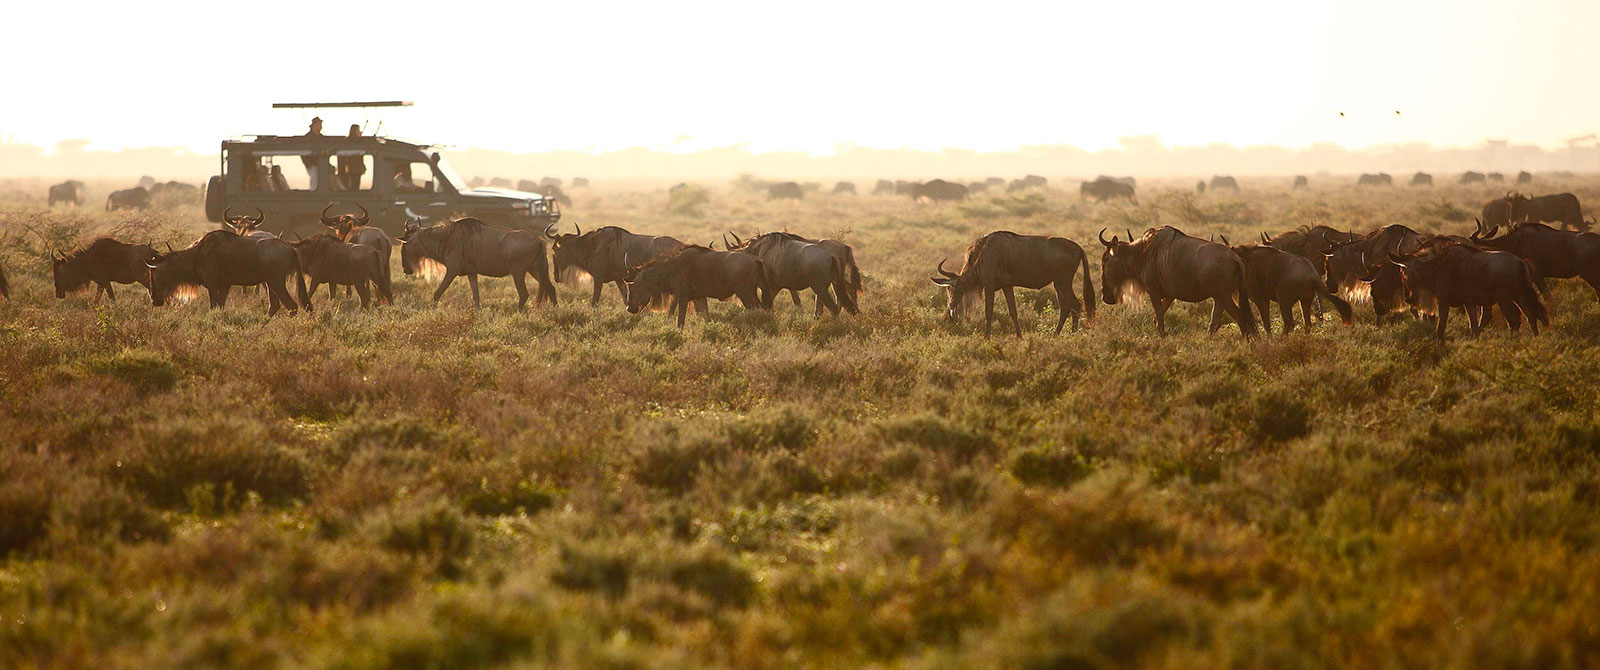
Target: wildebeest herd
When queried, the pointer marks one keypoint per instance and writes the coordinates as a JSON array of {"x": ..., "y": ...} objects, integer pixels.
[{"x": 1399, "y": 268}]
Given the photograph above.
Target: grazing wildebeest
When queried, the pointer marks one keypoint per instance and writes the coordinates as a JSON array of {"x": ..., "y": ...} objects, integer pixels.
[
  {"x": 1003, "y": 260},
  {"x": 884, "y": 187},
  {"x": 1461, "y": 275},
  {"x": 694, "y": 273},
  {"x": 1470, "y": 177},
  {"x": 605, "y": 255},
  {"x": 1495, "y": 178},
  {"x": 221, "y": 260},
  {"x": 902, "y": 187},
  {"x": 1560, "y": 208},
  {"x": 994, "y": 181},
  {"x": 550, "y": 181},
  {"x": 177, "y": 190},
  {"x": 1560, "y": 254},
  {"x": 1106, "y": 188},
  {"x": 1287, "y": 278},
  {"x": 1300, "y": 181},
  {"x": 1220, "y": 183},
  {"x": 977, "y": 187},
  {"x": 1422, "y": 179},
  {"x": 1350, "y": 261},
  {"x": 527, "y": 186},
  {"x": 1168, "y": 265},
  {"x": 132, "y": 198},
  {"x": 844, "y": 252},
  {"x": 580, "y": 182},
  {"x": 795, "y": 264},
  {"x": 787, "y": 189},
  {"x": 677, "y": 188},
  {"x": 359, "y": 230},
  {"x": 470, "y": 247},
  {"x": 844, "y": 187},
  {"x": 105, "y": 262},
  {"x": 1030, "y": 181},
  {"x": 940, "y": 190},
  {"x": 1200, "y": 186},
  {"x": 70, "y": 191},
  {"x": 1380, "y": 179},
  {"x": 500, "y": 182},
  {"x": 1524, "y": 177},
  {"x": 325, "y": 259}
]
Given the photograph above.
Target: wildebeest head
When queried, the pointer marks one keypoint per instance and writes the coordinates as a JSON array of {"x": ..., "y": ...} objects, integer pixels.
[
  {"x": 650, "y": 282},
  {"x": 571, "y": 250},
  {"x": 243, "y": 225},
  {"x": 417, "y": 243},
  {"x": 956, "y": 289},
  {"x": 1386, "y": 286},
  {"x": 163, "y": 280},
  {"x": 343, "y": 224},
  {"x": 1120, "y": 264},
  {"x": 66, "y": 275}
]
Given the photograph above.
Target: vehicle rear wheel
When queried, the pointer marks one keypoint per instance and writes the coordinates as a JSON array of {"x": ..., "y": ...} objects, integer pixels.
[{"x": 214, "y": 194}]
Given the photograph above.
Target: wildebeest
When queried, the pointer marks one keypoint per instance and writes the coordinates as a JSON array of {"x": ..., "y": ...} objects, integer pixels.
[
  {"x": 1495, "y": 178},
  {"x": 1380, "y": 179},
  {"x": 1560, "y": 208},
  {"x": 787, "y": 189},
  {"x": 245, "y": 226},
  {"x": 1460, "y": 275},
  {"x": 527, "y": 186},
  {"x": 845, "y": 253},
  {"x": 1105, "y": 188},
  {"x": 1560, "y": 254},
  {"x": 580, "y": 182},
  {"x": 939, "y": 190},
  {"x": 554, "y": 193},
  {"x": 70, "y": 191},
  {"x": 1224, "y": 182},
  {"x": 132, "y": 198},
  {"x": 1524, "y": 177},
  {"x": 1470, "y": 177},
  {"x": 1300, "y": 181},
  {"x": 1200, "y": 186},
  {"x": 884, "y": 187},
  {"x": 1311, "y": 243},
  {"x": 177, "y": 190},
  {"x": 550, "y": 181},
  {"x": 1003, "y": 260},
  {"x": 605, "y": 254},
  {"x": 902, "y": 187},
  {"x": 221, "y": 260},
  {"x": 843, "y": 188},
  {"x": 325, "y": 259},
  {"x": 791, "y": 262},
  {"x": 1352, "y": 260},
  {"x": 477, "y": 182},
  {"x": 1422, "y": 179},
  {"x": 105, "y": 262},
  {"x": 359, "y": 230},
  {"x": 994, "y": 181},
  {"x": 147, "y": 181},
  {"x": 977, "y": 187},
  {"x": 1166, "y": 265},
  {"x": 693, "y": 273},
  {"x": 1287, "y": 278},
  {"x": 1030, "y": 181},
  {"x": 470, "y": 247},
  {"x": 500, "y": 182}
]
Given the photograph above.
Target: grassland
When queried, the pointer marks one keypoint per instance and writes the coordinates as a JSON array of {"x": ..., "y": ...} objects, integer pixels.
[{"x": 421, "y": 487}]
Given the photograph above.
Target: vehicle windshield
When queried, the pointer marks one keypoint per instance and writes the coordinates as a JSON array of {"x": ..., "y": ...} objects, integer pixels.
[{"x": 447, "y": 172}]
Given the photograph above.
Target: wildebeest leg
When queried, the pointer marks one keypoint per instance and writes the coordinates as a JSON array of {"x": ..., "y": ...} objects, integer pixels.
[
  {"x": 683, "y": 311},
  {"x": 1065, "y": 302},
  {"x": 472, "y": 280},
  {"x": 1474, "y": 318},
  {"x": 825, "y": 299},
  {"x": 1286, "y": 309},
  {"x": 795, "y": 296},
  {"x": 311, "y": 291},
  {"x": 522, "y": 289},
  {"x": 365, "y": 293},
  {"x": 278, "y": 291},
  {"x": 443, "y": 284},
  {"x": 1160, "y": 307},
  {"x": 1263, "y": 305},
  {"x": 594, "y": 301},
  {"x": 1438, "y": 333},
  {"x": 1011, "y": 306},
  {"x": 988, "y": 310},
  {"x": 111, "y": 294},
  {"x": 1216, "y": 316},
  {"x": 1236, "y": 312},
  {"x": 1305, "y": 310},
  {"x": 272, "y": 301},
  {"x": 1512, "y": 314}
]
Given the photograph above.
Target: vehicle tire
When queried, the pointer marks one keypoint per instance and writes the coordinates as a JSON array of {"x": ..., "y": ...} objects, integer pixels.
[{"x": 214, "y": 195}]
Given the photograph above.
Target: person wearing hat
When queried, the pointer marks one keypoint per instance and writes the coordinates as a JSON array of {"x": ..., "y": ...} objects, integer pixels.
[{"x": 316, "y": 166}]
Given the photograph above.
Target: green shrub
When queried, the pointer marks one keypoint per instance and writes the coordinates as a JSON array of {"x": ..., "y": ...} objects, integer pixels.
[
  {"x": 1279, "y": 415},
  {"x": 787, "y": 429},
  {"x": 146, "y": 371},
  {"x": 688, "y": 200},
  {"x": 1053, "y": 465},
  {"x": 222, "y": 451},
  {"x": 716, "y": 576},
  {"x": 433, "y": 532},
  {"x": 933, "y": 433},
  {"x": 599, "y": 568},
  {"x": 674, "y": 465}
]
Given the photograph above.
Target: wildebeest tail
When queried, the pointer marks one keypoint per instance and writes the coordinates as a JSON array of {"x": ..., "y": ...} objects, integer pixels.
[
  {"x": 108, "y": 203},
  {"x": 541, "y": 275},
  {"x": 841, "y": 286},
  {"x": 300, "y": 284},
  {"x": 383, "y": 280},
  {"x": 1088, "y": 287},
  {"x": 1340, "y": 305},
  {"x": 1248, "y": 323},
  {"x": 1529, "y": 299}
]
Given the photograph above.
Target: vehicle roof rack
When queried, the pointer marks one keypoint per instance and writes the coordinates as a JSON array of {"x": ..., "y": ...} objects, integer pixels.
[{"x": 304, "y": 105}]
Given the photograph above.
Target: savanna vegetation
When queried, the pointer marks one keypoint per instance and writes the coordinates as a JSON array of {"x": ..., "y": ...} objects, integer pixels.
[{"x": 418, "y": 487}]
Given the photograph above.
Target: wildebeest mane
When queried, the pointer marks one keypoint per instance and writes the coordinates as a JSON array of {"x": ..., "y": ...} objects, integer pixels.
[{"x": 976, "y": 249}]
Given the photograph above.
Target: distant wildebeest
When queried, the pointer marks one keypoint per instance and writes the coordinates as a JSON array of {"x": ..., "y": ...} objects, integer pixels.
[
  {"x": 132, "y": 198},
  {"x": 795, "y": 264},
  {"x": 580, "y": 182},
  {"x": 221, "y": 260},
  {"x": 843, "y": 188},
  {"x": 550, "y": 181},
  {"x": 1515, "y": 207},
  {"x": 1166, "y": 265},
  {"x": 359, "y": 230},
  {"x": 1106, "y": 188},
  {"x": 1130, "y": 182},
  {"x": 1300, "y": 181},
  {"x": 477, "y": 182},
  {"x": 1275, "y": 275},
  {"x": 939, "y": 190},
  {"x": 1380, "y": 179},
  {"x": 246, "y": 226},
  {"x": 105, "y": 262},
  {"x": 527, "y": 186},
  {"x": 678, "y": 188},
  {"x": 1224, "y": 183},
  {"x": 1030, "y": 181},
  {"x": 70, "y": 191},
  {"x": 1003, "y": 260},
  {"x": 1422, "y": 179},
  {"x": 1524, "y": 177},
  {"x": 1311, "y": 243},
  {"x": 1495, "y": 178},
  {"x": 977, "y": 187},
  {"x": 884, "y": 187},
  {"x": 1472, "y": 178},
  {"x": 146, "y": 181},
  {"x": 470, "y": 247},
  {"x": 844, "y": 252},
  {"x": 993, "y": 182},
  {"x": 325, "y": 259},
  {"x": 1200, "y": 186},
  {"x": 1559, "y": 254},
  {"x": 902, "y": 187},
  {"x": 1460, "y": 275},
  {"x": 178, "y": 191},
  {"x": 554, "y": 193},
  {"x": 1350, "y": 261},
  {"x": 606, "y": 254},
  {"x": 787, "y": 189},
  {"x": 500, "y": 182},
  {"x": 692, "y": 274}
]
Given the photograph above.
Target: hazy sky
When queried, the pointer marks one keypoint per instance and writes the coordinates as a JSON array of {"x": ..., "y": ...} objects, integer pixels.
[{"x": 809, "y": 75}]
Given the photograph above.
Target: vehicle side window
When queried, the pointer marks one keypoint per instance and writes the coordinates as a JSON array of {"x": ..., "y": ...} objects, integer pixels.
[
  {"x": 352, "y": 171},
  {"x": 414, "y": 177},
  {"x": 272, "y": 174}
]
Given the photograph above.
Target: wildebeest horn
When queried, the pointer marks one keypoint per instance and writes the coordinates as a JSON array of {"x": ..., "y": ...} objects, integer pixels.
[
  {"x": 1130, "y": 237},
  {"x": 1265, "y": 241},
  {"x": 150, "y": 265},
  {"x": 625, "y": 264},
  {"x": 230, "y": 220},
  {"x": 1102, "y": 237},
  {"x": 725, "y": 241},
  {"x": 260, "y": 216},
  {"x": 945, "y": 272},
  {"x": 169, "y": 247},
  {"x": 365, "y": 217},
  {"x": 736, "y": 239},
  {"x": 1396, "y": 259},
  {"x": 550, "y": 231},
  {"x": 1225, "y": 241},
  {"x": 579, "y": 228},
  {"x": 324, "y": 215}
]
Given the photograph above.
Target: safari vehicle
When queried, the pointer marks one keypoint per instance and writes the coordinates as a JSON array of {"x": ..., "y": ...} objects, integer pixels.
[{"x": 292, "y": 178}]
